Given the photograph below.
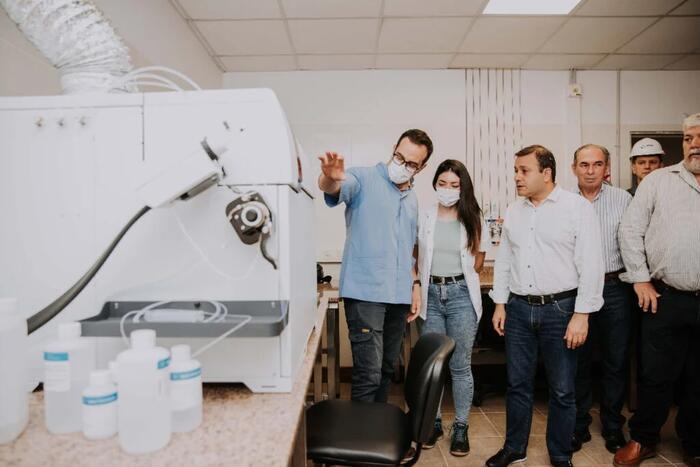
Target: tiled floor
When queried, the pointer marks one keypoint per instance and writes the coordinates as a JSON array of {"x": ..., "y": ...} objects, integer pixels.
[{"x": 487, "y": 429}]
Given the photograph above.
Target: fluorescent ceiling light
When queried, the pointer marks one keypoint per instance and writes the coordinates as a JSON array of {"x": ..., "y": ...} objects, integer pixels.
[{"x": 530, "y": 7}]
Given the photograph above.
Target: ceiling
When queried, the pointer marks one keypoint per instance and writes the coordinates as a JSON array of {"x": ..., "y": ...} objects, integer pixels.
[{"x": 281, "y": 35}]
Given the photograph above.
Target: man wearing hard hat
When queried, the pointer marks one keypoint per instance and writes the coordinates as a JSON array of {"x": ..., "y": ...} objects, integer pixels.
[{"x": 645, "y": 158}]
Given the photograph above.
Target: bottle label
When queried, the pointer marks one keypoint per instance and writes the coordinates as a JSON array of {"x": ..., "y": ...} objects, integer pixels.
[
  {"x": 101, "y": 400},
  {"x": 177, "y": 376},
  {"x": 100, "y": 420},
  {"x": 56, "y": 371},
  {"x": 185, "y": 389},
  {"x": 164, "y": 363}
]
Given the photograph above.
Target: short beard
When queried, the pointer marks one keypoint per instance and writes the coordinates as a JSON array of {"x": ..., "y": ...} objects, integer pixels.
[{"x": 693, "y": 165}]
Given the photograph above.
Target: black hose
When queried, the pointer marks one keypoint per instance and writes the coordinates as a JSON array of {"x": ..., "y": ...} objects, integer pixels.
[{"x": 43, "y": 316}]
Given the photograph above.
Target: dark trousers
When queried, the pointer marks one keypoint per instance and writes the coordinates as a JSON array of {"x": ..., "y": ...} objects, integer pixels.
[
  {"x": 610, "y": 329},
  {"x": 376, "y": 331},
  {"x": 529, "y": 330},
  {"x": 670, "y": 348}
]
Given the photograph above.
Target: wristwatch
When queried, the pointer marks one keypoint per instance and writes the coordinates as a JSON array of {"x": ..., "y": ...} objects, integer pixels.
[{"x": 416, "y": 282}]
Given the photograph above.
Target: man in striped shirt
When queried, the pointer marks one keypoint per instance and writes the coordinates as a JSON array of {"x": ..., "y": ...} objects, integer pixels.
[
  {"x": 660, "y": 244},
  {"x": 610, "y": 327}
]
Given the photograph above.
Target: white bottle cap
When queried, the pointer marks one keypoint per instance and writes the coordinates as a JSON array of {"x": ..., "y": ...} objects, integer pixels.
[
  {"x": 143, "y": 339},
  {"x": 180, "y": 353},
  {"x": 100, "y": 378},
  {"x": 69, "y": 330},
  {"x": 8, "y": 306}
]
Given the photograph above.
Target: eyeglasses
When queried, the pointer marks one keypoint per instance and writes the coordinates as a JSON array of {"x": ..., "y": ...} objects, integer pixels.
[{"x": 400, "y": 160}]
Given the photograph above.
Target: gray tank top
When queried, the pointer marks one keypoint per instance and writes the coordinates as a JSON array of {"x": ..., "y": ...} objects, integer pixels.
[{"x": 446, "y": 249}]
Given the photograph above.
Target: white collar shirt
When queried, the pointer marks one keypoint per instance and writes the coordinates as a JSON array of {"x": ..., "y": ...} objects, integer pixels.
[{"x": 551, "y": 248}]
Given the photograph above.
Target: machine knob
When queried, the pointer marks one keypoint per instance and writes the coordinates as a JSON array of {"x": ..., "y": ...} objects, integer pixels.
[{"x": 252, "y": 216}]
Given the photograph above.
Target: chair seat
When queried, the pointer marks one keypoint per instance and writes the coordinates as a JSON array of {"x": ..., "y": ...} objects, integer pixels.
[{"x": 352, "y": 432}]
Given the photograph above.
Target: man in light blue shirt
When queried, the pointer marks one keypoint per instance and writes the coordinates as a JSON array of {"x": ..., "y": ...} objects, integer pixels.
[{"x": 378, "y": 280}]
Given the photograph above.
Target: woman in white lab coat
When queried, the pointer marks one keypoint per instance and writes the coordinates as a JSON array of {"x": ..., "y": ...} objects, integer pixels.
[{"x": 452, "y": 241}]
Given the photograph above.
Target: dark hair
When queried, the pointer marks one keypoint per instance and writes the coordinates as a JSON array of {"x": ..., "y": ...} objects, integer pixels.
[
  {"x": 420, "y": 138},
  {"x": 468, "y": 209},
  {"x": 545, "y": 158},
  {"x": 602, "y": 149}
]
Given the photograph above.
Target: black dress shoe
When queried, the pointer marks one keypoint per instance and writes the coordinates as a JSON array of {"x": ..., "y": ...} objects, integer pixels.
[
  {"x": 578, "y": 439},
  {"x": 504, "y": 457},
  {"x": 614, "y": 440},
  {"x": 561, "y": 463}
]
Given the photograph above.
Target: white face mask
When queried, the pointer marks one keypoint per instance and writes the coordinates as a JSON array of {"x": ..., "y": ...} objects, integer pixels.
[
  {"x": 399, "y": 174},
  {"x": 447, "y": 197}
]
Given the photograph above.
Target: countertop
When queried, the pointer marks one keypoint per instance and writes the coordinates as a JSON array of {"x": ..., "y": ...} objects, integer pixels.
[{"x": 239, "y": 428}]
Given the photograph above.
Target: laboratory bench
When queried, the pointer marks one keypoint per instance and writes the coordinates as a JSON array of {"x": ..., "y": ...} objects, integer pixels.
[{"x": 239, "y": 427}]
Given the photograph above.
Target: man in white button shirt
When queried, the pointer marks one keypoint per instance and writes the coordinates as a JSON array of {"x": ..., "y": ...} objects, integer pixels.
[{"x": 549, "y": 276}]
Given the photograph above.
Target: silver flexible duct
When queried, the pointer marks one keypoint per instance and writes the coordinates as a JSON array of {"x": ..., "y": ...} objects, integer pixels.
[{"x": 76, "y": 38}]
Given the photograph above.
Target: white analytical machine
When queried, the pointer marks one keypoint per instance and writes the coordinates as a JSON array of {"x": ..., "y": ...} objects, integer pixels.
[{"x": 189, "y": 213}]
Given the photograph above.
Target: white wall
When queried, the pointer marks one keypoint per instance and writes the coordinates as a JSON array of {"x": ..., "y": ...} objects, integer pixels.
[
  {"x": 154, "y": 32},
  {"x": 361, "y": 115},
  {"x": 23, "y": 70},
  {"x": 649, "y": 101}
]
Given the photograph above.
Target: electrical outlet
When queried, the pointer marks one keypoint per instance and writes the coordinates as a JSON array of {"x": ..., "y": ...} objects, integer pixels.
[{"x": 575, "y": 90}]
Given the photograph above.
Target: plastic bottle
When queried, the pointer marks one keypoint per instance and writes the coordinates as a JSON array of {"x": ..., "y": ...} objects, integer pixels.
[
  {"x": 185, "y": 389},
  {"x": 143, "y": 418},
  {"x": 68, "y": 362},
  {"x": 100, "y": 406},
  {"x": 14, "y": 405}
]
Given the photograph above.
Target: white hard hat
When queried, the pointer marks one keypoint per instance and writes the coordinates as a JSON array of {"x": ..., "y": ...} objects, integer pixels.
[{"x": 647, "y": 147}]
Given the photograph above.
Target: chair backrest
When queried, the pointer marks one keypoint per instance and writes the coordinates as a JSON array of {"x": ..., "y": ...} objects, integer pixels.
[{"x": 427, "y": 371}]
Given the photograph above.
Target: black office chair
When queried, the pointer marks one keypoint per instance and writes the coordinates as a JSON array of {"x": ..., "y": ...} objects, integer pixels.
[{"x": 341, "y": 432}]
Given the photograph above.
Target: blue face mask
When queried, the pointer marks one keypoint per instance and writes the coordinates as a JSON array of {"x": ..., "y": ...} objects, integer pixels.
[{"x": 399, "y": 174}]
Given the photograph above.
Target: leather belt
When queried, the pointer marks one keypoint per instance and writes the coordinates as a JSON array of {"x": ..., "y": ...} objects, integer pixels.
[
  {"x": 442, "y": 280},
  {"x": 615, "y": 275},
  {"x": 539, "y": 300},
  {"x": 664, "y": 286}
]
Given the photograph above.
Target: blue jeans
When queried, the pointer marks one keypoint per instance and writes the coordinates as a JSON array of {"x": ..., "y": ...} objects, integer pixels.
[
  {"x": 376, "y": 332},
  {"x": 450, "y": 311},
  {"x": 530, "y": 329},
  {"x": 610, "y": 328}
]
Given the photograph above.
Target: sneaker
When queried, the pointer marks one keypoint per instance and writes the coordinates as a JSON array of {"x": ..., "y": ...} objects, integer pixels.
[
  {"x": 436, "y": 436},
  {"x": 460, "y": 441},
  {"x": 504, "y": 458}
]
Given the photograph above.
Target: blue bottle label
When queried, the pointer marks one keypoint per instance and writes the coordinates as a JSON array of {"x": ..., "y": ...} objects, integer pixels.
[
  {"x": 56, "y": 356},
  {"x": 101, "y": 400},
  {"x": 179, "y": 376},
  {"x": 165, "y": 363}
]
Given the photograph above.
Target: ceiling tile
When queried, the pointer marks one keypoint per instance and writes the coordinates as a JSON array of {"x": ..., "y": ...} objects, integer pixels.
[
  {"x": 421, "y": 35},
  {"x": 260, "y": 63},
  {"x": 690, "y": 62},
  {"x": 670, "y": 35},
  {"x": 690, "y": 7},
  {"x": 432, "y": 7},
  {"x": 413, "y": 61},
  {"x": 488, "y": 61},
  {"x": 503, "y": 35},
  {"x": 335, "y": 62},
  {"x": 593, "y": 35},
  {"x": 636, "y": 62},
  {"x": 254, "y": 37},
  {"x": 334, "y": 35},
  {"x": 626, "y": 7},
  {"x": 230, "y": 9},
  {"x": 331, "y": 8},
  {"x": 561, "y": 62}
]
